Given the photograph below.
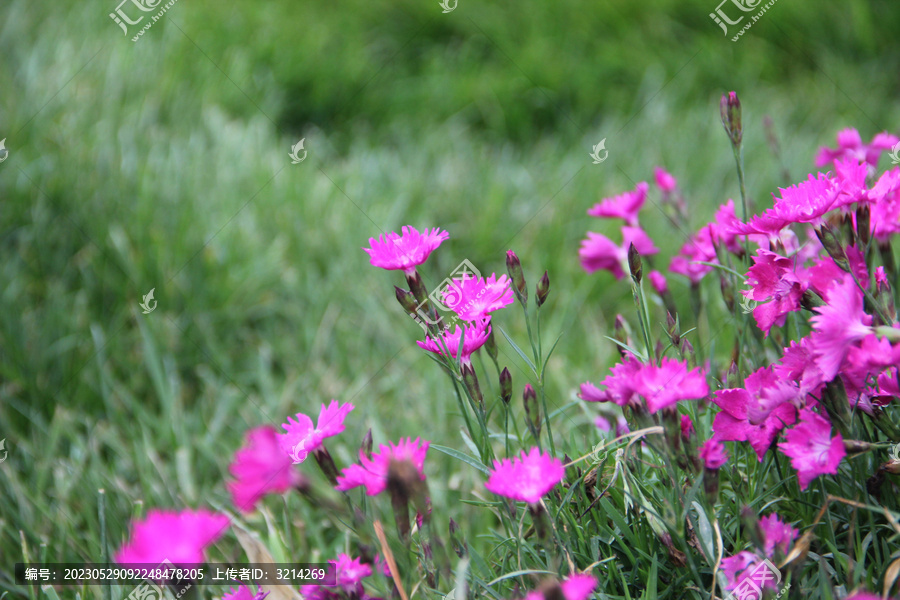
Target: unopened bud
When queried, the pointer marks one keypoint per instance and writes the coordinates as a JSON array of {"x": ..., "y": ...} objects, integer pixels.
[
  {"x": 406, "y": 299},
  {"x": 543, "y": 288},
  {"x": 635, "y": 265},
  {"x": 863, "y": 219},
  {"x": 833, "y": 246},
  {"x": 505, "y": 385},
  {"x": 490, "y": 344},
  {"x": 471, "y": 381},
  {"x": 366, "y": 446},
  {"x": 514, "y": 268},
  {"x": 730, "y": 109},
  {"x": 457, "y": 540},
  {"x": 727, "y": 292},
  {"x": 532, "y": 410},
  {"x": 856, "y": 446},
  {"x": 732, "y": 377},
  {"x": 673, "y": 327}
]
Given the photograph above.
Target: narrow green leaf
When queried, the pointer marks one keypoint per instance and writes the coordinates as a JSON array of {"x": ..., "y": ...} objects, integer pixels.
[
  {"x": 474, "y": 462},
  {"x": 519, "y": 351}
]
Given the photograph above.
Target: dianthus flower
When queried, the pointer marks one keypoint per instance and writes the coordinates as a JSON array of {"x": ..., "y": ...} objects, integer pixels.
[
  {"x": 261, "y": 467},
  {"x": 372, "y": 473},
  {"x": 301, "y": 438},
  {"x": 475, "y": 335},
  {"x": 773, "y": 277},
  {"x": 625, "y": 206},
  {"x": 713, "y": 454},
  {"x": 177, "y": 536},
  {"x": 473, "y": 299},
  {"x": 839, "y": 324},
  {"x": 811, "y": 448},
  {"x": 404, "y": 252},
  {"x": 244, "y": 593},
  {"x": 850, "y": 145},
  {"x": 599, "y": 252},
  {"x": 527, "y": 477}
]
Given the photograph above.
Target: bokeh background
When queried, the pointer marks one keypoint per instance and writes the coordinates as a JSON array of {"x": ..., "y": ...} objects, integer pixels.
[{"x": 164, "y": 164}]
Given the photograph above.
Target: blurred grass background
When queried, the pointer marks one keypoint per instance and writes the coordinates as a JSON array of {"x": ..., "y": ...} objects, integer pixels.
[{"x": 163, "y": 164}]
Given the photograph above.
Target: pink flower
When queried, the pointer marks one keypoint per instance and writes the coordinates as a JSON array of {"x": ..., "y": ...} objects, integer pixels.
[
  {"x": 744, "y": 565},
  {"x": 885, "y": 195},
  {"x": 666, "y": 384},
  {"x": 301, "y": 437},
  {"x": 700, "y": 247},
  {"x": 179, "y": 537},
  {"x": 244, "y": 593},
  {"x": 624, "y": 206},
  {"x": 850, "y": 145},
  {"x": 732, "y": 566},
  {"x": 473, "y": 299},
  {"x": 578, "y": 586},
  {"x": 807, "y": 201},
  {"x": 260, "y": 467},
  {"x": 713, "y": 454},
  {"x": 776, "y": 534},
  {"x": 772, "y": 277},
  {"x": 839, "y": 324},
  {"x": 599, "y": 252},
  {"x": 350, "y": 572},
  {"x": 797, "y": 365},
  {"x": 755, "y": 413},
  {"x": 527, "y": 477},
  {"x": 658, "y": 281},
  {"x": 664, "y": 180},
  {"x": 811, "y": 448},
  {"x": 475, "y": 335},
  {"x": 591, "y": 393},
  {"x": 372, "y": 472},
  {"x": 620, "y": 385},
  {"x": 863, "y": 596},
  {"x": 404, "y": 252},
  {"x": 687, "y": 427}
]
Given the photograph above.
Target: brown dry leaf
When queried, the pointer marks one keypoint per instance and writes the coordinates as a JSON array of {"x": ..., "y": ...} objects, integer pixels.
[
  {"x": 258, "y": 553},
  {"x": 890, "y": 577}
]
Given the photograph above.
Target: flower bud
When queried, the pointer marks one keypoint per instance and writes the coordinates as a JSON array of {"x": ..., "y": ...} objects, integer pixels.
[
  {"x": 471, "y": 381},
  {"x": 833, "y": 246},
  {"x": 505, "y": 385},
  {"x": 673, "y": 328},
  {"x": 326, "y": 463},
  {"x": 856, "y": 446},
  {"x": 532, "y": 410},
  {"x": 635, "y": 265},
  {"x": 366, "y": 446},
  {"x": 863, "y": 219},
  {"x": 514, "y": 268},
  {"x": 490, "y": 344},
  {"x": 406, "y": 299},
  {"x": 543, "y": 288},
  {"x": 457, "y": 541},
  {"x": 730, "y": 109}
]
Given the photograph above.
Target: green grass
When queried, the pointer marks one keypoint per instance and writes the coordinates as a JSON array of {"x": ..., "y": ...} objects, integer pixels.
[{"x": 163, "y": 164}]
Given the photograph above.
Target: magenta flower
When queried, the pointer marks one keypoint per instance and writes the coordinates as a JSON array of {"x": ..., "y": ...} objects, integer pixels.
[
  {"x": 687, "y": 427},
  {"x": 260, "y": 467},
  {"x": 475, "y": 334},
  {"x": 811, "y": 448},
  {"x": 301, "y": 437},
  {"x": 798, "y": 365},
  {"x": 733, "y": 566},
  {"x": 850, "y": 145},
  {"x": 713, "y": 454},
  {"x": 350, "y": 572},
  {"x": 625, "y": 206},
  {"x": 755, "y": 413},
  {"x": 885, "y": 195},
  {"x": 525, "y": 478},
  {"x": 404, "y": 252},
  {"x": 744, "y": 565},
  {"x": 473, "y": 299},
  {"x": 664, "y": 180},
  {"x": 863, "y": 596},
  {"x": 599, "y": 252},
  {"x": 578, "y": 586},
  {"x": 243, "y": 593},
  {"x": 371, "y": 473},
  {"x": 839, "y": 324},
  {"x": 620, "y": 385},
  {"x": 807, "y": 201},
  {"x": 700, "y": 247},
  {"x": 658, "y": 281},
  {"x": 671, "y": 381},
  {"x": 773, "y": 277},
  {"x": 777, "y": 534},
  {"x": 179, "y": 537}
]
